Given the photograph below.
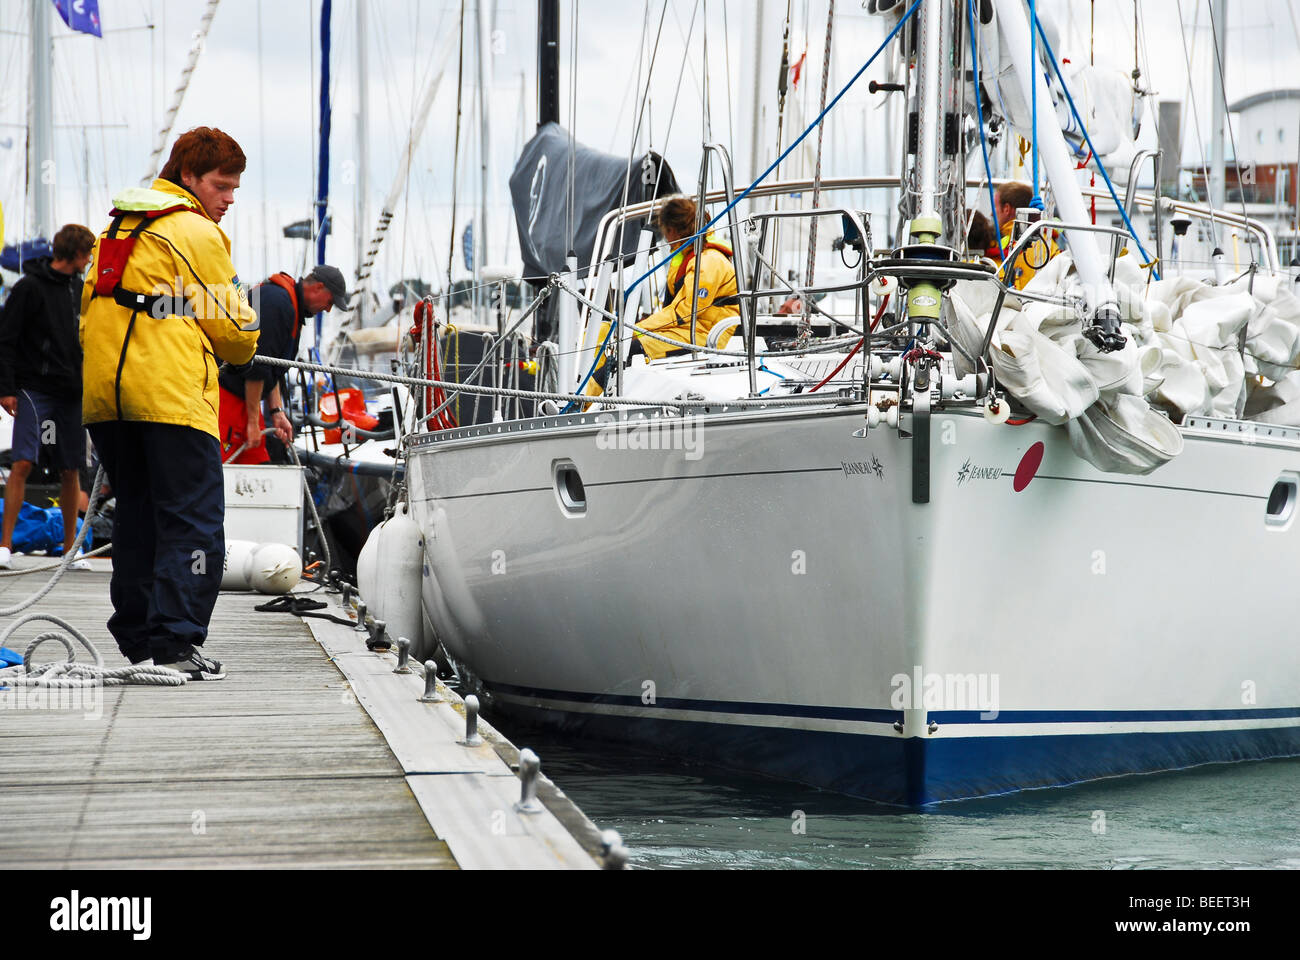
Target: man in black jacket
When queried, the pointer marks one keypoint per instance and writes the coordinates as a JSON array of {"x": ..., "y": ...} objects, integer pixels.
[
  {"x": 40, "y": 378},
  {"x": 282, "y": 304}
]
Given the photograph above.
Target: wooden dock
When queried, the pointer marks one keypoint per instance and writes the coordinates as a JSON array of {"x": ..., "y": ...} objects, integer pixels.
[{"x": 312, "y": 753}]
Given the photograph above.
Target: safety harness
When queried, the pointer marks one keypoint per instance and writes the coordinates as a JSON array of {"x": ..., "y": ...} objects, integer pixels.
[{"x": 115, "y": 251}]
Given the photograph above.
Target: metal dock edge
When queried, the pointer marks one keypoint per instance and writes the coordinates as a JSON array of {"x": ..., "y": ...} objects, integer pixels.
[{"x": 467, "y": 793}]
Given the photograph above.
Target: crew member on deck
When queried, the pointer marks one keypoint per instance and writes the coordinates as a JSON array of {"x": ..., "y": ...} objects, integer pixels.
[
  {"x": 716, "y": 294},
  {"x": 282, "y": 304},
  {"x": 713, "y": 282},
  {"x": 1009, "y": 198}
]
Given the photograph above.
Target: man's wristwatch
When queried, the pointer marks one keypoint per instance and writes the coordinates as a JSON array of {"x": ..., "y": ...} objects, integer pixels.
[{"x": 275, "y": 410}]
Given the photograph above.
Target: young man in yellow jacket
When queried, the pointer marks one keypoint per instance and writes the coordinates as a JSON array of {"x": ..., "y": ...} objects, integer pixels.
[{"x": 161, "y": 306}]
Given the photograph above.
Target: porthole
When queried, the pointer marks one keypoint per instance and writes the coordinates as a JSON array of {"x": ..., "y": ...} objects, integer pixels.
[
  {"x": 1282, "y": 502},
  {"x": 569, "y": 488}
]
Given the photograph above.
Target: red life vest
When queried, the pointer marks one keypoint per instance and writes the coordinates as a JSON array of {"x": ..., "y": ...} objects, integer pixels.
[
  {"x": 115, "y": 251},
  {"x": 289, "y": 286}
]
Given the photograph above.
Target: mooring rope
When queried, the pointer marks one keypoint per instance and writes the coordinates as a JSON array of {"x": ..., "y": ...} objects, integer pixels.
[
  {"x": 68, "y": 673},
  {"x": 55, "y": 564}
]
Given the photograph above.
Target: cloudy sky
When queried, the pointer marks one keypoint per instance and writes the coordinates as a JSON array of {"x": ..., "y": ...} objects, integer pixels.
[{"x": 257, "y": 79}]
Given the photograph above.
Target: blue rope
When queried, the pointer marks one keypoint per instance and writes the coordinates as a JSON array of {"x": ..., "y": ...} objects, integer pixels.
[
  {"x": 762, "y": 368},
  {"x": 1037, "y": 201},
  {"x": 1095, "y": 156},
  {"x": 979, "y": 120},
  {"x": 748, "y": 190}
]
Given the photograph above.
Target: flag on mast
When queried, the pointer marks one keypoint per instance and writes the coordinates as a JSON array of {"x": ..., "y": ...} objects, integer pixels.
[{"x": 80, "y": 15}]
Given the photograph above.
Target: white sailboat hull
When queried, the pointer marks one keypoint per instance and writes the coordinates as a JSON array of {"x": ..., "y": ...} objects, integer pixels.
[{"x": 772, "y": 599}]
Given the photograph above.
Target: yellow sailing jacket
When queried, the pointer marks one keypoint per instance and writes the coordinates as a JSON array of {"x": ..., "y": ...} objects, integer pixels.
[
  {"x": 158, "y": 363},
  {"x": 716, "y": 280},
  {"x": 1022, "y": 272}
]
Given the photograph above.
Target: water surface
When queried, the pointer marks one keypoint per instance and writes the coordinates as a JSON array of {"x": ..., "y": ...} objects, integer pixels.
[{"x": 676, "y": 814}]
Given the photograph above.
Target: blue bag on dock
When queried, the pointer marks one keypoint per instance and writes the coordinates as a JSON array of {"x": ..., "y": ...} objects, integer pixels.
[
  {"x": 9, "y": 658},
  {"x": 41, "y": 528}
]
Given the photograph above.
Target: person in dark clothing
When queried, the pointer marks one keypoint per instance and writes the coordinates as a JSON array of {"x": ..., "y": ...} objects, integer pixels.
[
  {"x": 282, "y": 304},
  {"x": 40, "y": 378}
]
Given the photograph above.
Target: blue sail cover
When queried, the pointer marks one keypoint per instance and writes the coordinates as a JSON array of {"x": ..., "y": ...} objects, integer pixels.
[{"x": 11, "y": 258}]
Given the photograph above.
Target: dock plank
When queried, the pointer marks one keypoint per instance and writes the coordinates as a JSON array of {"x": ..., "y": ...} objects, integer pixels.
[{"x": 276, "y": 766}]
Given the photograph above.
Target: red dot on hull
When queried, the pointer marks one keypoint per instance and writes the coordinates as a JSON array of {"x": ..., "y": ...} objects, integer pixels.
[{"x": 1029, "y": 465}]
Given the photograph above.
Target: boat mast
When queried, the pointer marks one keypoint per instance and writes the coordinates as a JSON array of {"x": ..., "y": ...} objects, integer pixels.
[
  {"x": 756, "y": 123},
  {"x": 261, "y": 144},
  {"x": 363, "y": 153},
  {"x": 1219, "y": 28},
  {"x": 323, "y": 154},
  {"x": 485, "y": 144},
  {"x": 930, "y": 65},
  {"x": 548, "y": 111},
  {"x": 936, "y": 126},
  {"x": 40, "y": 144},
  {"x": 548, "y": 62}
]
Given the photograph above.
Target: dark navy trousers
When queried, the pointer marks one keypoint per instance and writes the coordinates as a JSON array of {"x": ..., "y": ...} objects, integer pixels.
[{"x": 169, "y": 541}]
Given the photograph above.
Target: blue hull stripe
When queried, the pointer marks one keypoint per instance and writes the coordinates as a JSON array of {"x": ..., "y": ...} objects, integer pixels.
[
  {"x": 916, "y": 772},
  {"x": 709, "y": 706},
  {"x": 890, "y": 716}
]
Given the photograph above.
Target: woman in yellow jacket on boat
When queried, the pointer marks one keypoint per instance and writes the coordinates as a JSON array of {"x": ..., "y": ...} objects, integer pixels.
[
  {"x": 713, "y": 281},
  {"x": 161, "y": 305},
  {"x": 715, "y": 294}
]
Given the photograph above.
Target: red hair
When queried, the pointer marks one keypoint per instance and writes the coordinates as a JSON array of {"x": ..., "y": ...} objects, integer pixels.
[{"x": 202, "y": 150}]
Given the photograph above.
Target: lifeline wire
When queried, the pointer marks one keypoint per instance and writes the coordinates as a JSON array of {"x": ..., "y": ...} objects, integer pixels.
[{"x": 793, "y": 401}]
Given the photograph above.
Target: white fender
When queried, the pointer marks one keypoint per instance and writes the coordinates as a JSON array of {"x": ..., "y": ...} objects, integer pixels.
[
  {"x": 276, "y": 568},
  {"x": 389, "y": 570},
  {"x": 237, "y": 568}
]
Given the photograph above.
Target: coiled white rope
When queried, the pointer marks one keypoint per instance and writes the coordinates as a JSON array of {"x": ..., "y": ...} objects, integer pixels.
[{"x": 69, "y": 673}]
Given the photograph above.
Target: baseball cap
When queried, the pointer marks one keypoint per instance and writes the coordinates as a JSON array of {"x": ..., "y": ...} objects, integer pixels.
[{"x": 332, "y": 277}]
